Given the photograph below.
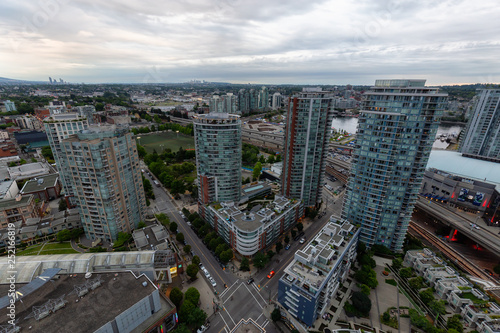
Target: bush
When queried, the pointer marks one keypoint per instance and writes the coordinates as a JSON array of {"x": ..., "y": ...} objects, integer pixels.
[{"x": 391, "y": 282}]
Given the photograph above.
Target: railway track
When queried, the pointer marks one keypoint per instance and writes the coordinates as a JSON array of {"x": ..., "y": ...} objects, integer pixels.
[{"x": 450, "y": 253}]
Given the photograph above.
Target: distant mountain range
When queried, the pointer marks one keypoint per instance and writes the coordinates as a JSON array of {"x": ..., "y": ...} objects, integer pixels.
[{"x": 4, "y": 80}]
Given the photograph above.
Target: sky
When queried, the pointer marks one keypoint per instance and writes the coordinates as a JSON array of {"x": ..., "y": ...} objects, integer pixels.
[{"x": 251, "y": 41}]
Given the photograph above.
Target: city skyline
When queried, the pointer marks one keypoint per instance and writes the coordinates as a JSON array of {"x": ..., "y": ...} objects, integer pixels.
[{"x": 319, "y": 42}]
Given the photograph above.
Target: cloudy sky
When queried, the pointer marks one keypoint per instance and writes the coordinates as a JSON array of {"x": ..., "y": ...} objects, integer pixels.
[{"x": 251, "y": 41}]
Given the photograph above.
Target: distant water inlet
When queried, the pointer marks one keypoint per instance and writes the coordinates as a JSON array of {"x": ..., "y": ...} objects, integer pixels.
[{"x": 445, "y": 135}]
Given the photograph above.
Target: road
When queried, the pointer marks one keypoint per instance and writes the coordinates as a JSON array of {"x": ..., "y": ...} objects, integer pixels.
[
  {"x": 482, "y": 236},
  {"x": 241, "y": 300}
]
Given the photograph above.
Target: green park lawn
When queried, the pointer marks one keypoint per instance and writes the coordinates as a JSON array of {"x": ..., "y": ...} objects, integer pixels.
[
  {"x": 49, "y": 248},
  {"x": 161, "y": 141}
]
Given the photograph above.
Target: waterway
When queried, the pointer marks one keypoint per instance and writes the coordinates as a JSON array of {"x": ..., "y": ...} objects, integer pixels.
[{"x": 350, "y": 124}]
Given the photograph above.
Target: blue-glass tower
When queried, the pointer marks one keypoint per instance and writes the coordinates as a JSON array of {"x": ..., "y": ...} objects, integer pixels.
[{"x": 397, "y": 126}]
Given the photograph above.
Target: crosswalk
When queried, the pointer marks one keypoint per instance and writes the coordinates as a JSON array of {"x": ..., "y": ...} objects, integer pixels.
[{"x": 228, "y": 309}]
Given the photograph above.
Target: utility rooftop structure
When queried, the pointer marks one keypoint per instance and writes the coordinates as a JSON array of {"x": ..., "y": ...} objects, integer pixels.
[
  {"x": 318, "y": 270},
  {"x": 102, "y": 302}
]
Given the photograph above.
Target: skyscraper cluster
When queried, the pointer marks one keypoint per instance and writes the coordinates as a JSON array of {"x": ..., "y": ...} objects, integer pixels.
[
  {"x": 396, "y": 130},
  {"x": 223, "y": 104},
  {"x": 253, "y": 100}
]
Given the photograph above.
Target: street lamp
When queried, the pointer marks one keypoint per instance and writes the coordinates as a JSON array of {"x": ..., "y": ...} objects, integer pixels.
[
  {"x": 139, "y": 138},
  {"x": 177, "y": 134}
]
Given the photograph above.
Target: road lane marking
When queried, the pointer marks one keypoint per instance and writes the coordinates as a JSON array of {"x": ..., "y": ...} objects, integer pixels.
[
  {"x": 265, "y": 323},
  {"x": 231, "y": 294},
  {"x": 229, "y": 316},
  {"x": 254, "y": 297},
  {"x": 226, "y": 290},
  {"x": 223, "y": 321}
]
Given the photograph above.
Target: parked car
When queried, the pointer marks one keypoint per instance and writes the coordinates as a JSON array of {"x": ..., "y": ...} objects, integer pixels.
[
  {"x": 212, "y": 281},
  {"x": 302, "y": 240},
  {"x": 203, "y": 328},
  {"x": 250, "y": 281},
  {"x": 287, "y": 247},
  {"x": 271, "y": 274}
]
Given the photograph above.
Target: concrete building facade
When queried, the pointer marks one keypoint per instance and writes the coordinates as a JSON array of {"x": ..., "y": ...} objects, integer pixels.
[
  {"x": 397, "y": 127},
  {"x": 102, "y": 166},
  {"x": 59, "y": 127}
]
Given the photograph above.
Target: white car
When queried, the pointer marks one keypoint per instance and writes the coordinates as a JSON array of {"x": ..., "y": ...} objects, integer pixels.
[
  {"x": 212, "y": 281},
  {"x": 302, "y": 240}
]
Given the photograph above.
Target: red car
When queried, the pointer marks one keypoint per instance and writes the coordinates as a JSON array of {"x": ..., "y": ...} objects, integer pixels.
[{"x": 270, "y": 275}]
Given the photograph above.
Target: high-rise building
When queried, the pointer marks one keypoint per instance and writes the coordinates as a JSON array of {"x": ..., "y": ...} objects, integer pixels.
[
  {"x": 396, "y": 130},
  {"x": 9, "y": 106},
  {"x": 277, "y": 101},
  {"x": 217, "y": 138},
  {"x": 307, "y": 136},
  {"x": 243, "y": 102},
  {"x": 253, "y": 100},
  {"x": 225, "y": 103},
  {"x": 102, "y": 165},
  {"x": 59, "y": 127},
  {"x": 482, "y": 135}
]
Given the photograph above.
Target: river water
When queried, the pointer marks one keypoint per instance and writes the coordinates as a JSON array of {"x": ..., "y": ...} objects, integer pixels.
[{"x": 350, "y": 124}]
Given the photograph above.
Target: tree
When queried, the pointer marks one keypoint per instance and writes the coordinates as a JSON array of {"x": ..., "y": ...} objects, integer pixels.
[
  {"x": 245, "y": 264},
  {"x": 173, "y": 227},
  {"x": 366, "y": 259},
  {"x": 192, "y": 270},
  {"x": 260, "y": 260},
  {"x": 196, "y": 260},
  {"x": 180, "y": 237},
  {"x": 192, "y": 295},
  {"x": 455, "y": 323},
  {"x": 275, "y": 315},
  {"x": 63, "y": 205},
  {"x": 416, "y": 283},
  {"x": 361, "y": 303},
  {"x": 271, "y": 159},
  {"x": 279, "y": 247},
  {"x": 427, "y": 295},
  {"x": 219, "y": 249},
  {"x": 182, "y": 328},
  {"x": 406, "y": 272},
  {"x": 300, "y": 227},
  {"x": 176, "y": 297},
  {"x": 496, "y": 269},
  {"x": 177, "y": 187},
  {"x": 294, "y": 233},
  {"x": 270, "y": 254},
  {"x": 187, "y": 249},
  {"x": 438, "y": 307},
  {"x": 365, "y": 289},
  {"x": 141, "y": 225},
  {"x": 141, "y": 151},
  {"x": 397, "y": 263},
  {"x": 63, "y": 235},
  {"x": 287, "y": 239},
  {"x": 226, "y": 256},
  {"x": 366, "y": 275},
  {"x": 197, "y": 317},
  {"x": 186, "y": 308},
  {"x": 257, "y": 169}
]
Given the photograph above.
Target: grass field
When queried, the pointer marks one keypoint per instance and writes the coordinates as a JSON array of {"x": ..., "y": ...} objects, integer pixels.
[
  {"x": 161, "y": 141},
  {"x": 48, "y": 248}
]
